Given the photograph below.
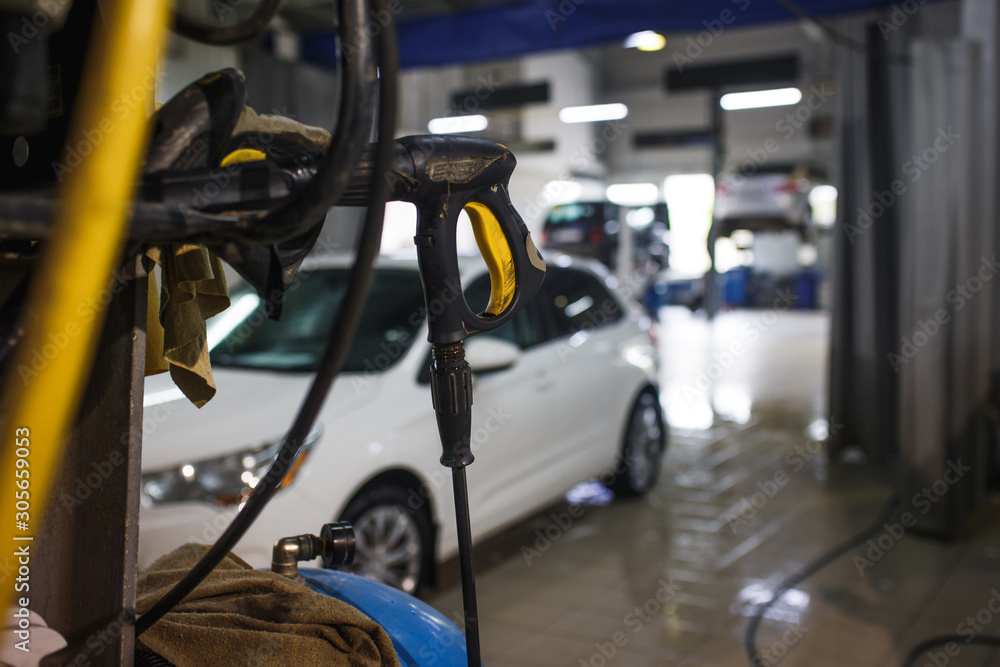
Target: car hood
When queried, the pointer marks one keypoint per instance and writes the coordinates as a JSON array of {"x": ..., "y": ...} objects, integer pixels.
[{"x": 250, "y": 408}]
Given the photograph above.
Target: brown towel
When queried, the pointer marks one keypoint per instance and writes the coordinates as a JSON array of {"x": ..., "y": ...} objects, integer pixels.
[
  {"x": 246, "y": 617},
  {"x": 194, "y": 289}
]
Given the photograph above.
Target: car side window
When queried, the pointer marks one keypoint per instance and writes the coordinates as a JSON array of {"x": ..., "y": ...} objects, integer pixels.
[
  {"x": 523, "y": 329},
  {"x": 576, "y": 300}
]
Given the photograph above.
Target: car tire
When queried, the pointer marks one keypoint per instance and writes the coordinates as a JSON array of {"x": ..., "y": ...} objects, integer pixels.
[
  {"x": 394, "y": 543},
  {"x": 643, "y": 445}
]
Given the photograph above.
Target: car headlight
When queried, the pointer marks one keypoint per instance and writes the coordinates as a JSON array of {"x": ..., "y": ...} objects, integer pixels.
[{"x": 226, "y": 480}]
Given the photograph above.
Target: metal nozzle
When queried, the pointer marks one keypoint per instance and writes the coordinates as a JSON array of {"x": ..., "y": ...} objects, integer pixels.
[{"x": 335, "y": 546}]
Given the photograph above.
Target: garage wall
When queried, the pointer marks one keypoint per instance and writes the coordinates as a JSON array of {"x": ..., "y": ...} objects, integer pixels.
[
  {"x": 427, "y": 93},
  {"x": 188, "y": 61},
  {"x": 615, "y": 74},
  {"x": 637, "y": 79},
  {"x": 579, "y": 150}
]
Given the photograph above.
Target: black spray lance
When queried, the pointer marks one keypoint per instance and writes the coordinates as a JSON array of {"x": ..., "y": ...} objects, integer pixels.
[{"x": 442, "y": 176}]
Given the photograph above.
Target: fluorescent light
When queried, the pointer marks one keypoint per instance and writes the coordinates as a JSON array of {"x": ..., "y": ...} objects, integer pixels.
[
  {"x": 633, "y": 194},
  {"x": 647, "y": 40},
  {"x": 757, "y": 99},
  {"x": 454, "y": 124},
  {"x": 593, "y": 113}
]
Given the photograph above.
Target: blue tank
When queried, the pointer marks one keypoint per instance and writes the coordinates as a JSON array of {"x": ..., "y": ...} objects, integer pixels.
[{"x": 421, "y": 635}]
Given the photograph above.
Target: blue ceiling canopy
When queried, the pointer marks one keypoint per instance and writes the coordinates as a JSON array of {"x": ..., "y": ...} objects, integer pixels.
[{"x": 515, "y": 29}]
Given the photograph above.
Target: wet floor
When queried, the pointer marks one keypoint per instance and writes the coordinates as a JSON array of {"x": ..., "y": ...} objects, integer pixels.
[{"x": 746, "y": 498}]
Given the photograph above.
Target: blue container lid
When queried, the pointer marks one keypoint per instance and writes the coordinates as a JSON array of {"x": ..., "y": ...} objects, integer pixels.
[{"x": 421, "y": 635}]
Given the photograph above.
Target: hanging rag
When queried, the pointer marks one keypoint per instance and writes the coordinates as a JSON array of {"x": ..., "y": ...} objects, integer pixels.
[{"x": 194, "y": 289}]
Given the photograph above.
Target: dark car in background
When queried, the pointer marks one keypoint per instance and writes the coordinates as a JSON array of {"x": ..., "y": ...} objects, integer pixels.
[{"x": 593, "y": 229}]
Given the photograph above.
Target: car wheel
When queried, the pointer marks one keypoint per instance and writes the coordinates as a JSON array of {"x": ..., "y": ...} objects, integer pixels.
[
  {"x": 643, "y": 447},
  {"x": 393, "y": 543}
]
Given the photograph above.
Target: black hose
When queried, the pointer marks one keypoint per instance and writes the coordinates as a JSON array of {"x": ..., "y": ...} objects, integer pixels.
[
  {"x": 750, "y": 636},
  {"x": 911, "y": 657},
  {"x": 466, "y": 566},
  {"x": 346, "y": 148},
  {"x": 343, "y": 331},
  {"x": 251, "y": 26},
  {"x": 358, "y": 77}
]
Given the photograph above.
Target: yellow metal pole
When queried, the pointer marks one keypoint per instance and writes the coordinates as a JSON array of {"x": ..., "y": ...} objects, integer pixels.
[{"x": 64, "y": 306}]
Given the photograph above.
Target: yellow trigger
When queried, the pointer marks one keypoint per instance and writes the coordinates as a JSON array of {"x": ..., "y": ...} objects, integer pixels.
[
  {"x": 242, "y": 155},
  {"x": 495, "y": 250}
]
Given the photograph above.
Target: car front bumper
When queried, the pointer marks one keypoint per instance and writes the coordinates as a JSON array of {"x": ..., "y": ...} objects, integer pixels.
[{"x": 170, "y": 525}]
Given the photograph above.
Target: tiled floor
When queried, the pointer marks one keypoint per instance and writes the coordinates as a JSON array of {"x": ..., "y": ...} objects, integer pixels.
[{"x": 671, "y": 578}]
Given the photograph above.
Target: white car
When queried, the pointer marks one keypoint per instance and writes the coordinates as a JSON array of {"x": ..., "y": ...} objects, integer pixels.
[
  {"x": 564, "y": 392},
  {"x": 772, "y": 196}
]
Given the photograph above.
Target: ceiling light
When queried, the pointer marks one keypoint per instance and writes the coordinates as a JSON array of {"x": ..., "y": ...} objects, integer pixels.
[
  {"x": 647, "y": 40},
  {"x": 455, "y": 124},
  {"x": 593, "y": 113},
  {"x": 633, "y": 194},
  {"x": 757, "y": 99}
]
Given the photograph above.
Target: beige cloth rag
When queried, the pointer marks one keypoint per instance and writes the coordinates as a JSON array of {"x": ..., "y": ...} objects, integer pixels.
[
  {"x": 246, "y": 617},
  {"x": 257, "y": 128},
  {"x": 194, "y": 289}
]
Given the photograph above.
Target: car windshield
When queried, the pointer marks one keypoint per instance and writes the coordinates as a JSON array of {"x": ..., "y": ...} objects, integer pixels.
[
  {"x": 569, "y": 213},
  {"x": 244, "y": 337}
]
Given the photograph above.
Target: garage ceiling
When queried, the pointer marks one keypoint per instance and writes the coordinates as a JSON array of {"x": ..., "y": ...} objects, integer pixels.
[{"x": 444, "y": 32}]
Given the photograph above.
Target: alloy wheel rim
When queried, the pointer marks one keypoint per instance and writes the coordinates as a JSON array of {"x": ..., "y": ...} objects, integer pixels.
[
  {"x": 387, "y": 547},
  {"x": 645, "y": 443}
]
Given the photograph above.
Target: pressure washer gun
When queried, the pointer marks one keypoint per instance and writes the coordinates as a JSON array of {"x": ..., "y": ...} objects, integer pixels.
[{"x": 442, "y": 176}]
